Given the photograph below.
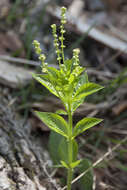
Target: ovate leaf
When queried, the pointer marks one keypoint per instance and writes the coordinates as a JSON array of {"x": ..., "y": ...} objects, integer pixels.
[
  {"x": 81, "y": 81},
  {"x": 85, "y": 124},
  {"x": 68, "y": 66},
  {"x": 54, "y": 122},
  {"x": 76, "y": 104},
  {"x": 86, "y": 182},
  {"x": 44, "y": 80},
  {"x": 86, "y": 89},
  {"x": 54, "y": 140},
  {"x": 63, "y": 150}
]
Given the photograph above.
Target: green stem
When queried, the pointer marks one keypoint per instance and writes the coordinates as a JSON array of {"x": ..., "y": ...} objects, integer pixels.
[
  {"x": 70, "y": 151},
  {"x": 69, "y": 179}
]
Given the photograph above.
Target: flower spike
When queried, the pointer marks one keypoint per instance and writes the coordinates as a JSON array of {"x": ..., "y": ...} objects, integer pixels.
[
  {"x": 76, "y": 56},
  {"x": 56, "y": 42},
  {"x": 37, "y": 47},
  {"x": 42, "y": 57},
  {"x": 62, "y": 30}
]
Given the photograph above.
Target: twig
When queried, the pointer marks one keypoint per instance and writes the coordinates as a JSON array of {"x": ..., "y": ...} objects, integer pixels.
[
  {"x": 23, "y": 61},
  {"x": 18, "y": 60},
  {"x": 98, "y": 161}
]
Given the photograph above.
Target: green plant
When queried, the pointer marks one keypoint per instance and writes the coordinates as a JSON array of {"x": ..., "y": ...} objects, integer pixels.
[{"x": 70, "y": 84}]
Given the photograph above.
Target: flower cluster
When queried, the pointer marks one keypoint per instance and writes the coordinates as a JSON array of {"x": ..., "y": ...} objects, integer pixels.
[
  {"x": 63, "y": 18},
  {"x": 37, "y": 47},
  {"x": 56, "y": 43},
  {"x": 62, "y": 30},
  {"x": 42, "y": 57},
  {"x": 61, "y": 38},
  {"x": 76, "y": 56}
]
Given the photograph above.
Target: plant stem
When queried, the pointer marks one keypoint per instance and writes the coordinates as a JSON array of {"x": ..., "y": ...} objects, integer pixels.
[
  {"x": 70, "y": 151},
  {"x": 69, "y": 179}
]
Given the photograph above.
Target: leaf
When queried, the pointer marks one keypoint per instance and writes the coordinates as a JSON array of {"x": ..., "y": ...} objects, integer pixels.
[
  {"x": 54, "y": 122},
  {"x": 58, "y": 148},
  {"x": 75, "y": 164},
  {"x": 53, "y": 72},
  {"x": 76, "y": 104},
  {"x": 68, "y": 66},
  {"x": 85, "y": 124},
  {"x": 44, "y": 80},
  {"x": 64, "y": 164},
  {"x": 86, "y": 182},
  {"x": 61, "y": 112},
  {"x": 54, "y": 141},
  {"x": 84, "y": 78},
  {"x": 81, "y": 81},
  {"x": 86, "y": 89},
  {"x": 63, "y": 150}
]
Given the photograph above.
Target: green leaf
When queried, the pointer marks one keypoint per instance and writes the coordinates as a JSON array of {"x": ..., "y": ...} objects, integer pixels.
[
  {"x": 76, "y": 104},
  {"x": 53, "y": 72},
  {"x": 61, "y": 112},
  {"x": 86, "y": 89},
  {"x": 54, "y": 122},
  {"x": 81, "y": 81},
  {"x": 86, "y": 182},
  {"x": 85, "y": 124},
  {"x": 54, "y": 141},
  {"x": 44, "y": 80},
  {"x": 63, "y": 150},
  {"x": 75, "y": 164},
  {"x": 64, "y": 164},
  {"x": 68, "y": 66}
]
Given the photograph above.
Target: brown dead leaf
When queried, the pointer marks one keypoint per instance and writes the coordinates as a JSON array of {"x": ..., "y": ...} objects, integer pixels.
[
  {"x": 4, "y": 8},
  {"x": 10, "y": 43}
]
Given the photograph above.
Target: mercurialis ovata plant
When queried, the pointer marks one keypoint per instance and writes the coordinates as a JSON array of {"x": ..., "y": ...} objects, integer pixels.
[{"x": 70, "y": 84}]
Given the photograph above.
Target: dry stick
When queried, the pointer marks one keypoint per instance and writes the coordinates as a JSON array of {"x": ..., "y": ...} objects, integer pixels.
[
  {"x": 97, "y": 162},
  {"x": 22, "y": 61},
  {"x": 19, "y": 60}
]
